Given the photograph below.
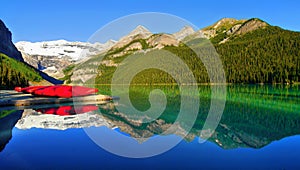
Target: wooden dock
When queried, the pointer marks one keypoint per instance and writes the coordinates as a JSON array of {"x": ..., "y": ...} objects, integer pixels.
[{"x": 13, "y": 99}]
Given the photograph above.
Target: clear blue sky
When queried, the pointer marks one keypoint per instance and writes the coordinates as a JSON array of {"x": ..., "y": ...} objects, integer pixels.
[{"x": 38, "y": 20}]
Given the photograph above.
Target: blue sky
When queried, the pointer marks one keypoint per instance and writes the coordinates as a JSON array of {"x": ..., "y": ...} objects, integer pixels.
[{"x": 34, "y": 20}]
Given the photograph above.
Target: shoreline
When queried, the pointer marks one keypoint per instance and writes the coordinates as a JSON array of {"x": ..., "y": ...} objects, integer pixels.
[{"x": 201, "y": 84}]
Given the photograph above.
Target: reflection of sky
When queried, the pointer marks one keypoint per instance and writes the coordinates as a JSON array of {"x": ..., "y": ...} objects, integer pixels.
[
  {"x": 37, "y": 148},
  {"x": 123, "y": 145}
]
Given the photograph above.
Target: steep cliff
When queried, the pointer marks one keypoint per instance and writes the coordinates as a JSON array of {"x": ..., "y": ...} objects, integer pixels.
[{"x": 6, "y": 45}]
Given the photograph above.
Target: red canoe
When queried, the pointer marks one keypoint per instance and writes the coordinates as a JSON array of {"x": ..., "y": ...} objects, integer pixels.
[
  {"x": 29, "y": 89},
  {"x": 63, "y": 91},
  {"x": 68, "y": 110}
]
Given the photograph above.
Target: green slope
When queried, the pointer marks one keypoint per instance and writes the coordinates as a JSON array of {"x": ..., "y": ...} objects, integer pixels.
[
  {"x": 268, "y": 55},
  {"x": 14, "y": 73},
  {"x": 265, "y": 55}
]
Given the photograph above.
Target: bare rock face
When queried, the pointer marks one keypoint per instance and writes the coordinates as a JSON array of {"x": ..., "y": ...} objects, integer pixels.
[
  {"x": 225, "y": 25},
  {"x": 139, "y": 32},
  {"x": 233, "y": 29},
  {"x": 6, "y": 45},
  {"x": 161, "y": 40},
  {"x": 30, "y": 60},
  {"x": 184, "y": 32},
  {"x": 251, "y": 25},
  {"x": 209, "y": 33},
  {"x": 134, "y": 46},
  {"x": 222, "y": 23}
]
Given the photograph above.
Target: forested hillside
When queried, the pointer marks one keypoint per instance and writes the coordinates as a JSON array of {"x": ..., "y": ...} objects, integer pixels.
[
  {"x": 266, "y": 55},
  {"x": 15, "y": 73},
  {"x": 269, "y": 55}
]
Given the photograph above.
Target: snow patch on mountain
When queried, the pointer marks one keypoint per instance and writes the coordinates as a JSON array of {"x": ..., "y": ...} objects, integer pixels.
[{"x": 63, "y": 48}]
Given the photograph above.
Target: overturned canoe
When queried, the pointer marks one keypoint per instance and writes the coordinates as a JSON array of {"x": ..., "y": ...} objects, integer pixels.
[
  {"x": 29, "y": 89},
  {"x": 62, "y": 91}
]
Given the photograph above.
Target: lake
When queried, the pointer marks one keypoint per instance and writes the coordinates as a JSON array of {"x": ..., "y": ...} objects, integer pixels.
[{"x": 258, "y": 129}]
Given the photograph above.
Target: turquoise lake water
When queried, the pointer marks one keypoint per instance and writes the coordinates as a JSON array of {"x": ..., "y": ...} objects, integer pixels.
[{"x": 258, "y": 128}]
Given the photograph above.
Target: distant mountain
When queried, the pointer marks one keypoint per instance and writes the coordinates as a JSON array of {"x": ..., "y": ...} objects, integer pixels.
[
  {"x": 260, "y": 53},
  {"x": 184, "y": 32},
  {"x": 228, "y": 29},
  {"x": 53, "y": 56},
  {"x": 138, "y": 40},
  {"x": 251, "y": 50},
  {"x": 62, "y": 48},
  {"x": 140, "y": 32},
  {"x": 222, "y": 26}
]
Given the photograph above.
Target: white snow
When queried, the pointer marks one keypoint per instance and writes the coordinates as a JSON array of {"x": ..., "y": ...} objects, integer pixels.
[
  {"x": 52, "y": 68},
  {"x": 62, "y": 48}
]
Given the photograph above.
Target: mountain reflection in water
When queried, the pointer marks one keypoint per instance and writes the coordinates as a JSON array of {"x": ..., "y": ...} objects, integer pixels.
[
  {"x": 7, "y": 123},
  {"x": 253, "y": 117}
]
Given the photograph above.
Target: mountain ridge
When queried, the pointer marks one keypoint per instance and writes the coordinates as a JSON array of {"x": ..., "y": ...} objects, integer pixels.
[
  {"x": 251, "y": 35},
  {"x": 141, "y": 40}
]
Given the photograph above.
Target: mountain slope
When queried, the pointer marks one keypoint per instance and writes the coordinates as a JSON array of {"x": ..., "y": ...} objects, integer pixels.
[
  {"x": 252, "y": 51},
  {"x": 139, "y": 32},
  {"x": 15, "y": 73},
  {"x": 266, "y": 55},
  {"x": 223, "y": 26},
  {"x": 238, "y": 29},
  {"x": 53, "y": 56},
  {"x": 184, "y": 32}
]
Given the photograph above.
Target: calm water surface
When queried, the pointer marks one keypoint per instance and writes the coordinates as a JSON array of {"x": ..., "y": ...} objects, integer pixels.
[{"x": 259, "y": 129}]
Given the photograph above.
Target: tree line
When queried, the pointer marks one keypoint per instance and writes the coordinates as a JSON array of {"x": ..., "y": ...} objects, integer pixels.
[
  {"x": 268, "y": 55},
  {"x": 14, "y": 73}
]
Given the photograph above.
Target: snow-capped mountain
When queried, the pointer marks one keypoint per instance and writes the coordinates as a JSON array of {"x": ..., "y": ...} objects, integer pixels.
[
  {"x": 53, "y": 56},
  {"x": 63, "y": 48}
]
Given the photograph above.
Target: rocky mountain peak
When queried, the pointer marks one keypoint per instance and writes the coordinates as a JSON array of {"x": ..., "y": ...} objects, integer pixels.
[
  {"x": 184, "y": 32},
  {"x": 225, "y": 20},
  {"x": 111, "y": 42},
  {"x": 139, "y": 30},
  {"x": 251, "y": 25},
  {"x": 161, "y": 40}
]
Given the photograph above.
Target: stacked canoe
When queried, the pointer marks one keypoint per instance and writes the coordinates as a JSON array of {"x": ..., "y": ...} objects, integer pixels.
[{"x": 62, "y": 91}]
